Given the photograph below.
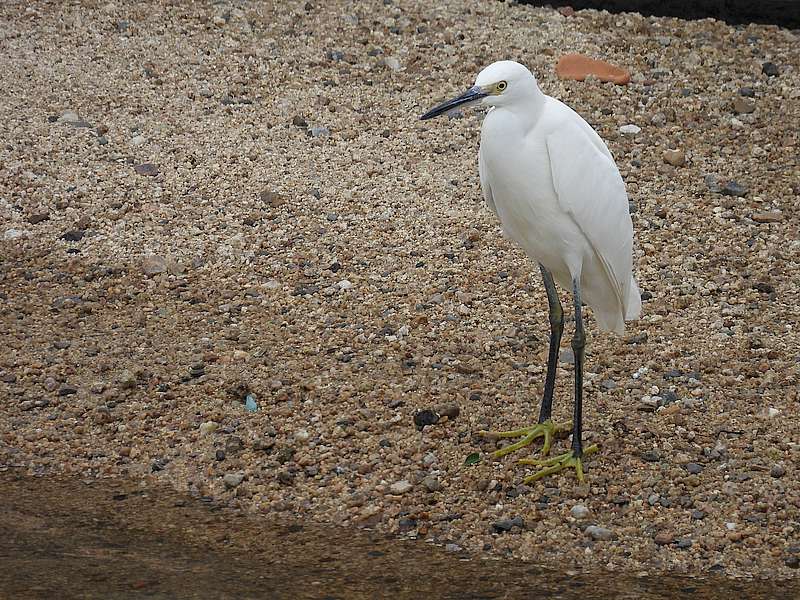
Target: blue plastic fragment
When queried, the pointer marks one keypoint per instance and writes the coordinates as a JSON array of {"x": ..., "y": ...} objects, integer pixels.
[{"x": 250, "y": 403}]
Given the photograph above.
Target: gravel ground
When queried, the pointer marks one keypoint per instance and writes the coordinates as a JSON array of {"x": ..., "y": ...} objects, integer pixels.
[{"x": 243, "y": 200}]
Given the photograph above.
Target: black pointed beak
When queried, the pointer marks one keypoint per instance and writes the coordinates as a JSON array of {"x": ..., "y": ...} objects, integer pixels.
[{"x": 473, "y": 94}]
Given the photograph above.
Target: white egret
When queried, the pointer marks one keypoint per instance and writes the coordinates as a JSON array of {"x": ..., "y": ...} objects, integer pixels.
[{"x": 558, "y": 193}]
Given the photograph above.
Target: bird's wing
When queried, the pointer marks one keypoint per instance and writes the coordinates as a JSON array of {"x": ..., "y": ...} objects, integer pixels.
[
  {"x": 487, "y": 190},
  {"x": 591, "y": 190}
]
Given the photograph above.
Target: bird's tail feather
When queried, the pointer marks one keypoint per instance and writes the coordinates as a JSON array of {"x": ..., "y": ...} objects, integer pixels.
[
  {"x": 612, "y": 316},
  {"x": 633, "y": 307}
]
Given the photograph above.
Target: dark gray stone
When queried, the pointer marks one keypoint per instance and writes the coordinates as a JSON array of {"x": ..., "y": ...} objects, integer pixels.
[
  {"x": 425, "y": 417},
  {"x": 651, "y": 456},
  {"x": 505, "y": 525},
  {"x": 146, "y": 169},
  {"x": 731, "y": 188},
  {"x": 770, "y": 69},
  {"x": 73, "y": 235}
]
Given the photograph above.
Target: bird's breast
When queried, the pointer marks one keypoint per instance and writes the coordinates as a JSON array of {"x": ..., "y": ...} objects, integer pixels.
[{"x": 517, "y": 169}]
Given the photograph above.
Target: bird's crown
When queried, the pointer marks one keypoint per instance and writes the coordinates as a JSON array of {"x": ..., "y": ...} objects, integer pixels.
[{"x": 502, "y": 70}]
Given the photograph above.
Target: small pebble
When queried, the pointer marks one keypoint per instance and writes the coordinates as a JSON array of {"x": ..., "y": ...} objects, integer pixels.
[
  {"x": 676, "y": 158},
  {"x": 154, "y": 264},
  {"x": 651, "y": 456},
  {"x": 126, "y": 380},
  {"x": 400, "y": 487},
  {"x": 505, "y": 525},
  {"x": 712, "y": 183},
  {"x": 146, "y": 169},
  {"x": 14, "y": 234},
  {"x": 73, "y": 235},
  {"x": 566, "y": 356},
  {"x": 608, "y": 384},
  {"x": 731, "y": 188},
  {"x": 69, "y": 117},
  {"x": 392, "y": 63},
  {"x": 659, "y": 119},
  {"x": 770, "y": 69},
  {"x": 599, "y": 534},
  {"x": 208, "y": 427},
  {"x": 767, "y": 217},
  {"x": 579, "y": 511},
  {"x": 36, "y": 218},
  {"x": 450, "y": 411},
  {"x": 425, "y": 417},
  {"x": 232, "y": 480},
  {"x": 319, "y": 132},
  {"x": 432, "y": 483},
  {"x": 743, "y": 106},
  {"x": 663, "y": 538},
  {"x": 630, "y": 129}
]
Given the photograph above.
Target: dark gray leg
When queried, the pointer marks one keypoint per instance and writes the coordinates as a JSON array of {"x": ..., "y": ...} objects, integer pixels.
[
  {"x": 578, "y": 345},
  {"x": 556, "y": 329},
  {"x": 545, "y": 428}
]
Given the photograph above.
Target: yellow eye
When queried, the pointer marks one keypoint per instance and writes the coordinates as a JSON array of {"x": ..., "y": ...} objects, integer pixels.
[{"x": 501, "y": 87}]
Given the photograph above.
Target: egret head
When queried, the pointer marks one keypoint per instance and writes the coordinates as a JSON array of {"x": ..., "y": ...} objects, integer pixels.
[{"x": 499, "y": 84}]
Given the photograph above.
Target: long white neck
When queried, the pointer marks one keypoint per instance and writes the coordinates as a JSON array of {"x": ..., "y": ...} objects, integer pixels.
[{"x": 529, "y": 104}]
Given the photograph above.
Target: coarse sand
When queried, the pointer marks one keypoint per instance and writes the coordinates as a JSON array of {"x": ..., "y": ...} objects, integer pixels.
[{"x": 205, "y": 200}]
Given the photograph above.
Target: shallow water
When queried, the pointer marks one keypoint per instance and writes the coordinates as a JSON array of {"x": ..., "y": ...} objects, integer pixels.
[{"x": 109, "y": 539}]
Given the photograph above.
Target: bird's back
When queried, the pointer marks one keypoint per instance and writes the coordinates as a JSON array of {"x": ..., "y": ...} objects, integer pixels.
[{"x": 559, "y": 195}]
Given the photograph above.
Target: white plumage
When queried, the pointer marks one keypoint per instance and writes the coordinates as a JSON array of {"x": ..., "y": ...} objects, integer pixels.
[{"x": 558, "y": 193}]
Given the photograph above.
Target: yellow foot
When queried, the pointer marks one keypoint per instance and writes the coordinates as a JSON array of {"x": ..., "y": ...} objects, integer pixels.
[
  {"x": 558, "y": 463},
  {"x": 547, "y": 430}
]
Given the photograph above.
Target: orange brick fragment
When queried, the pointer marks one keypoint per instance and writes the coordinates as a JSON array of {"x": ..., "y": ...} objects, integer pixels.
[{"x": 578, "y": 66}]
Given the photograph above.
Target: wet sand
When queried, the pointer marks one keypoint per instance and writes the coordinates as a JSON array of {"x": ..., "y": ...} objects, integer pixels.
[{"x": 64, "y": 538}]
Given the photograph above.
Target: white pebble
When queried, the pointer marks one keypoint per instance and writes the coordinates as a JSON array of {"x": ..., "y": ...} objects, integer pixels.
[
  {"x": 69, "y": 117},
  {"x": 630, "y": 129},
  {"x": 14, "y": 234}
]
